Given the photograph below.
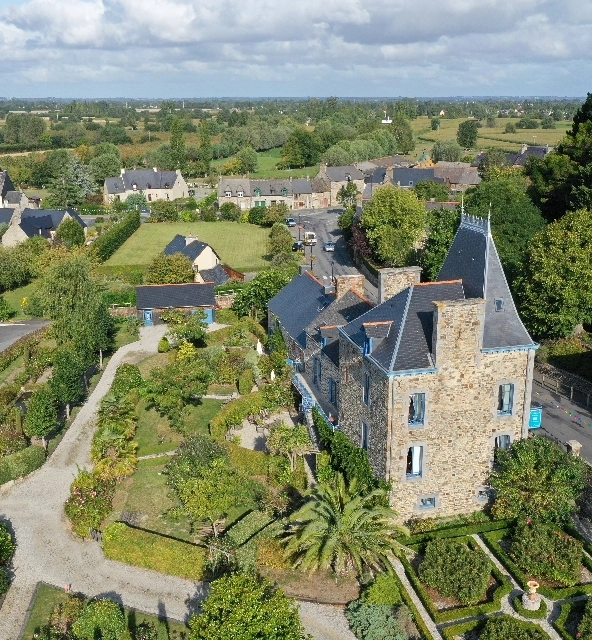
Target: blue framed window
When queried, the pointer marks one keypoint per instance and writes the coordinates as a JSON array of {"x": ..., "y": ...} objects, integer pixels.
[
  {"x": 416, "y": 409},
  {"x": 366, "y": 389},
  {"x": 505, "y": 399}
]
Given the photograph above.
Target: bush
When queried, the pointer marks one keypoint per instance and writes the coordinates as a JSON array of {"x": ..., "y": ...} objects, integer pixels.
[
  {"x": 121, "y": 297},
  {"x": 101, "y": 619},
  {"x": 108, "y": 243},
  {"x": 546, "y": 553},
  {"x": 539, "y": 614},
  {"x": 585, "y": 626},
  {"x": 153, "y": 551},
  {"x": 89, "y": 502},
  {"x": 370, "y": 622},
  {"x": 7, "y": 545},
  {"x": 455, "y": 570},
  {"x": 252, "y": 463},
  {"x": 383, "y": 591},
  {"x": 21, "y": 463},
  {"x": 271, "y": 553},
  {"x": 129, "y": 274},
  {"x": 127, "y": 378},
  {"x": 4, "y": 581},
  {"x": 164, "y": 345},
  {"x": 507, "y": 628},
  {"x": 226, "y": 316},
  {"x": 246, "y": 381},
  {"x": 235, "y": 412}
]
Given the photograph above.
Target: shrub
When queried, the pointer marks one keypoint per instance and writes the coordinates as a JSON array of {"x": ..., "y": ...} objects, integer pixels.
[
  {"x": 507, "y": 628},
  {"x": 246, "y": 381},
  {"x": 246, "y": 528},
  {"x": 7, "y": 545},
  {"x": 153, "y": 551},
  {"x": 101, "y": 619},
  {"x": 4, "y": 581},
  {"x": 108, "y": 243},
  {"x": 585, "y": 626},
  {"x": 89, "y": 502},
  {"x": 21, "y": 463},
  {"x": 546, "y": 553},
  {"x": 235, "y": 412},
  {"x": 383, "y": 591},
  {"x": 455, "y": 570},
  {"x": 164, "y": 345},
  {"x": 226, "y": 316},
  {"x": 370, "y": 622},
  {"x": 271, "y": 553},
  {"x": 127, "y": 378}
]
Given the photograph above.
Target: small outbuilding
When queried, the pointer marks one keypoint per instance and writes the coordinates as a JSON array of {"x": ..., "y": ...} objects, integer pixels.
[{"x": 155, "y": 299}]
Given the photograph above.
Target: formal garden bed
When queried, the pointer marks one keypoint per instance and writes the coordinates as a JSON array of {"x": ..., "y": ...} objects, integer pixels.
[
  {"x": 54, "y": 609},
  {"x": 495, "y": 628}
]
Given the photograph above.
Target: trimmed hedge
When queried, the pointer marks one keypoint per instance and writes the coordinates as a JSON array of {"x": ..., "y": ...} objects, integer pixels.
[
  {"x": 452, "y": 632},
  {"x": 246, "y": 381},
  {"x": 16, "y": 349},
  {"x": 540, "y": 614},
  {"x": 504, "y": 588},
  {"x": 235, "y": 412},
  {"x": 492, "y": 540},
  {"x": 152, "y": 551},
  {"x": 246, "y": 528},
  {"x": 108, "y": 243},
  {"x": 20, "y": 464},
  {"x": 456, "y": 531},
  {"x": 566, "y": 610},
  {"x": 121, "y": 298}
]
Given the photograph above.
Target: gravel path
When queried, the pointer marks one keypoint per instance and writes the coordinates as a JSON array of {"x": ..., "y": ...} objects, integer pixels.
[{"x": 48, "y": 552}]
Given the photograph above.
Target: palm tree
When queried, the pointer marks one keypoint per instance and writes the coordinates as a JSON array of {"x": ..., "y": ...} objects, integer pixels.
[{"x": 342, "y": 528}]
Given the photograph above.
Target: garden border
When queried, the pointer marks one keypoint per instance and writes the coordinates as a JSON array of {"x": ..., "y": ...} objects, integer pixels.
[
  {"x": 452, "y": 631},
  {"x": 559, "y": 624}
]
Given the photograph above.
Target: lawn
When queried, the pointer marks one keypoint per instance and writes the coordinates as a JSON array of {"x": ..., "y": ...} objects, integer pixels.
[
  {"x": 267, "y": 161},
  {"x": 48, "y": 597},
  {"x": 15, "y": 297},
  {"x": 241, "y": 247}
]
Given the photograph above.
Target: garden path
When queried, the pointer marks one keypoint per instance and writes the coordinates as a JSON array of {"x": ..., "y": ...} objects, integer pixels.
[{"x": 47, "y": 551}]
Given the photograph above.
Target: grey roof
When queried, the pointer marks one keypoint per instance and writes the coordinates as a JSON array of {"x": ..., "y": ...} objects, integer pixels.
[
  {"x": 216, "y": 274},
  {"x": 409, "y": 177},
  {"x": 473, "y": 257},
  {"x": 339, "y": 311},
  {"x": 14, "y": 197},
  {"x": 518, "y": 159},
  {"x": 408, "y": 343},
  {"x": 5, "y": 215},
  {"x": 176, "y": 296},
  {"x": 142, "y": 179},
  {"x": 341, "y": 174},
  {"x": 6, "y": 184},
  {"x": 301, "y": 185},
  {"x": 320, "y": 185},
  {"x": 41, "y": 222},
  {"x": 458, "y": 175},
  {"x": 375, "y": 179},
  {"x": 298, "y": 304},
  {"x": 179, "y": 245},
  {"x": 266, "y": 187}
]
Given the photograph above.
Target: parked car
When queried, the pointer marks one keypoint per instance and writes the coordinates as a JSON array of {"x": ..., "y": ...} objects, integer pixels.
[
  {"x": 291, "y": 222},
  {"x": 298, "y": 246},
  {"x": 329, "y": 246}
]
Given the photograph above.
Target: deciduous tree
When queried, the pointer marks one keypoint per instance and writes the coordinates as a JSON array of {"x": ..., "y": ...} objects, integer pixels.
[
  {"x": 448, "y": 150},
  {"x": 466, "y": 135},
  {"x": 70, "y": 233},
  {"x": 280, "y": 239},
  {"x": 72, "y": 185},
  {"x": 175, "y": 269},
  {"x": 253, "y": 298},
  {"x": 291, "y": 442},
  {"x": 430, "y": 190},
  {"x": 42, "y": 413},
  {"x": 348, "y": 196}
]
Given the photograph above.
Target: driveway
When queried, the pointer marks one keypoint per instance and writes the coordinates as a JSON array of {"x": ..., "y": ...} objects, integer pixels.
[{"x": 10, "y": 333}]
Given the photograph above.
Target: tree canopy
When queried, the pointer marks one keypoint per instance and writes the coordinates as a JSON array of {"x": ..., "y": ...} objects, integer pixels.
[
  {"x": 466, "y": 135},
  {"x": 448, "y": 150},
  {"x": 70, "y": 233},
  {"x": 175, "y": 269},
  {"x": 431, "y": 190},
  {"x": 253, "y": 297}
]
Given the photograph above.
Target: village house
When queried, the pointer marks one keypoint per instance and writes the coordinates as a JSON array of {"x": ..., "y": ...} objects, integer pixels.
[
  {"x": 430, "y": 382},
  {"x": 296, "y": 193},
  {"x": 155, "y": 299},
  {"x": 29, "y": 223},
  {"x": 206, "y": 263},
  {"x": 154, "y": 184},
  {"x": 338, "y": 177}
]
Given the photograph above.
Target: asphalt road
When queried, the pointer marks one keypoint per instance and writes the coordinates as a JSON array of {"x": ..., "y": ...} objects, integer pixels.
[
  {"x": 326, "y": 264},
  {"x": 10, "y": 333},
  {"x": 564, "y": 420}
]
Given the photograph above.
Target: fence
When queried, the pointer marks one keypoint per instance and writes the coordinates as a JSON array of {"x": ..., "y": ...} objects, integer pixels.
[{"x": 578, "y": 390}]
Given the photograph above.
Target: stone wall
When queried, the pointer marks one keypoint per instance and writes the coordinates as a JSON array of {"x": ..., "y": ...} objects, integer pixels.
[
  {"x": 345, "y": 283},
  {"x": 225, "y": 300},
  {"x": 393, "y": 281}
]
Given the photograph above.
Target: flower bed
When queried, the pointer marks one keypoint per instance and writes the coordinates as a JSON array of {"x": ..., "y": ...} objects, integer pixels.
[
  {"x": 495, "y": 592},
  {"x": 476, "y": 629},
  {"x": 494, "y": 541}
]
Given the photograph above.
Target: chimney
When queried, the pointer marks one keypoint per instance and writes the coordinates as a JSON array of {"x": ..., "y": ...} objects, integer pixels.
[
  {"x": 355, "y": 283},
  {"x": 155, "y": 169},
  {"x": 458, "y": 333},
  {"x": 122, "y": 172},
  {"x": 190, "y": 239},
  {"x": 393, "y": 281}
]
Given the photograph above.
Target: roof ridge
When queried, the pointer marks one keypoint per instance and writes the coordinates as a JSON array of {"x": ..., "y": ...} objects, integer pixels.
[
  {"x": 427, "y": 284},
  {"x": 310, "y": 273},
  {"x": 399, "y": 337},
  {"x": 176, "y": 284}
]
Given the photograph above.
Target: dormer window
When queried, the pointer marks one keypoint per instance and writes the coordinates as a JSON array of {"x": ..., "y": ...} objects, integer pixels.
[
  {"x": 367, "y": 346},
  {"x": 410, "y": 183},
  {"x": 134, "y": 186},
  {"x": 228, "y": 193},
  {"x": 499, "y": 304},
  {"x": 240, "y": 194},
  {"x": 285, "y": 192},
  {"x": 167, "y": 185},
  {"x": 258, "y": 192},
  {"x": 148, "y": 186}
]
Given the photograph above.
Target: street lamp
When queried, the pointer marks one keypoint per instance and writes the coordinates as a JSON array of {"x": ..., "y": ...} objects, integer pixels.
[{"x": 332, "y": 277}]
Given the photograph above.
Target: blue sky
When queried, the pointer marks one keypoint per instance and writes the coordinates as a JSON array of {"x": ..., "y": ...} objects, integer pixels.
[{"x": 201, "y": 48}]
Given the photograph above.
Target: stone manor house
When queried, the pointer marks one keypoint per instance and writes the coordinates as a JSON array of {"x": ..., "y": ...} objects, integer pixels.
[{"x": 430, "y": 382}]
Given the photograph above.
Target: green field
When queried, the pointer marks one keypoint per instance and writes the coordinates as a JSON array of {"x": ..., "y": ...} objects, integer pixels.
[
  {"x": 241, "y": 246},
  {"x": 15, "y": 297},
  {"x": 487, "y": 137},
  {"x": 267, "y": 161}
]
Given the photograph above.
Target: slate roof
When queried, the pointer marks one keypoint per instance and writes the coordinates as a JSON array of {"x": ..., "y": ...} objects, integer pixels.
[
  {"x": 176, "y": 296},
  {"x": 216, "y": 274},
  {"x": 518, "y": 159},
  {"x": 143, "y": 179},
  {"x": 320, "y": 185},
  {"x": 266, "y": 187},
  {"x": 458, "y": 175},
  {"x": 340, "y": 174},
  {"x": 408, "y": 345},
  {"x": 191, "y": 250},
  {"x": 6, "y": 184},
  {"x": 473, "y": 257},
  {"x": 409, "y": 177},
  {"x": 301, "y": 185},
  {"x": 375, "y": 179},
  {"x": 5, "y": 215},
  {"x": 298, "y": 304},
  {"x": 14, "y": 197},
  {"x": 41, "y": 222}
]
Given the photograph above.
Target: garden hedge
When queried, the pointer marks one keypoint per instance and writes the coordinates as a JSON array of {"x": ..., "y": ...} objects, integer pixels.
[
  {"x": 566, "y": 609},
  {"x": 419, "y": 623},
  {"x": 243, "y": 530},
  {"x": 539, "y": 614},
  {"x": 492, "y": 540},
  {"x": 452, "y": 632},
  {"x": 152, "y": 551},
  {"x": 108, "y": 243},
  {"x": 458, "y": 531},
  {"x": 131, "y": 274},
  {"x": 504, "y": 588},
  {"x": 16, "y": 349},
  {"x": 20, "y": 464}
]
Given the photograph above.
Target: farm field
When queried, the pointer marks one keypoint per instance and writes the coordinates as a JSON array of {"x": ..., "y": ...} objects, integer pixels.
[
  {"x": 241, "y": 247},
  {"x": 267, "y": 161}
]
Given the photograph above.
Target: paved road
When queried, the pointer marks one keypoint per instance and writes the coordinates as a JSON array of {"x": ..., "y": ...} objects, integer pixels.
[
  {"x": 10, "y": 333},
  {"x": 558, "y": 421}
]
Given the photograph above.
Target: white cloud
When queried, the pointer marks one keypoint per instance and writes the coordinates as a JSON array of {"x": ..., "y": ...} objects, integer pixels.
[{"x": 267, "y": 47}]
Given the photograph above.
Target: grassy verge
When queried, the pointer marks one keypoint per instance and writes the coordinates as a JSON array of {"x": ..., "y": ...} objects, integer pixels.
[
  {"x": 241, "y": 246},
  {"x": 15, "y": 297},
  {"x": 150, "y": 551},
  {"x": 48, "y": 597}
]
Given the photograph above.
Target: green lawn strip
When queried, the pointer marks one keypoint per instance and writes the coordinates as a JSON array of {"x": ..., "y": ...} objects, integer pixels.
[
  {"x": 504, "y": 588},
  {"x": 47, "y": 597},
  {"x": 241, "y": 246},
  {"x": 248, "y": 526},
  {"x": 153, "y": 551},
  {"x": 467, "y": 629},
  {"x": 454, "y": 531},
  {"x": 539, "y": 614},
  {"x": 156, "y": 361},
  {"x": 568, "y": 610},
  {"x": 492, "y": 540}
]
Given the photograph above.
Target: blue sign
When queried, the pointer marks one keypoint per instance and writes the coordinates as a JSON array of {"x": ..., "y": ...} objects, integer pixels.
[{"x": 536, "y": 417}]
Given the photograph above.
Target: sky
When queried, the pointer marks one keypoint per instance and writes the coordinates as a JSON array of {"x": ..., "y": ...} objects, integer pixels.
[{"x": 213, "y": 48}]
